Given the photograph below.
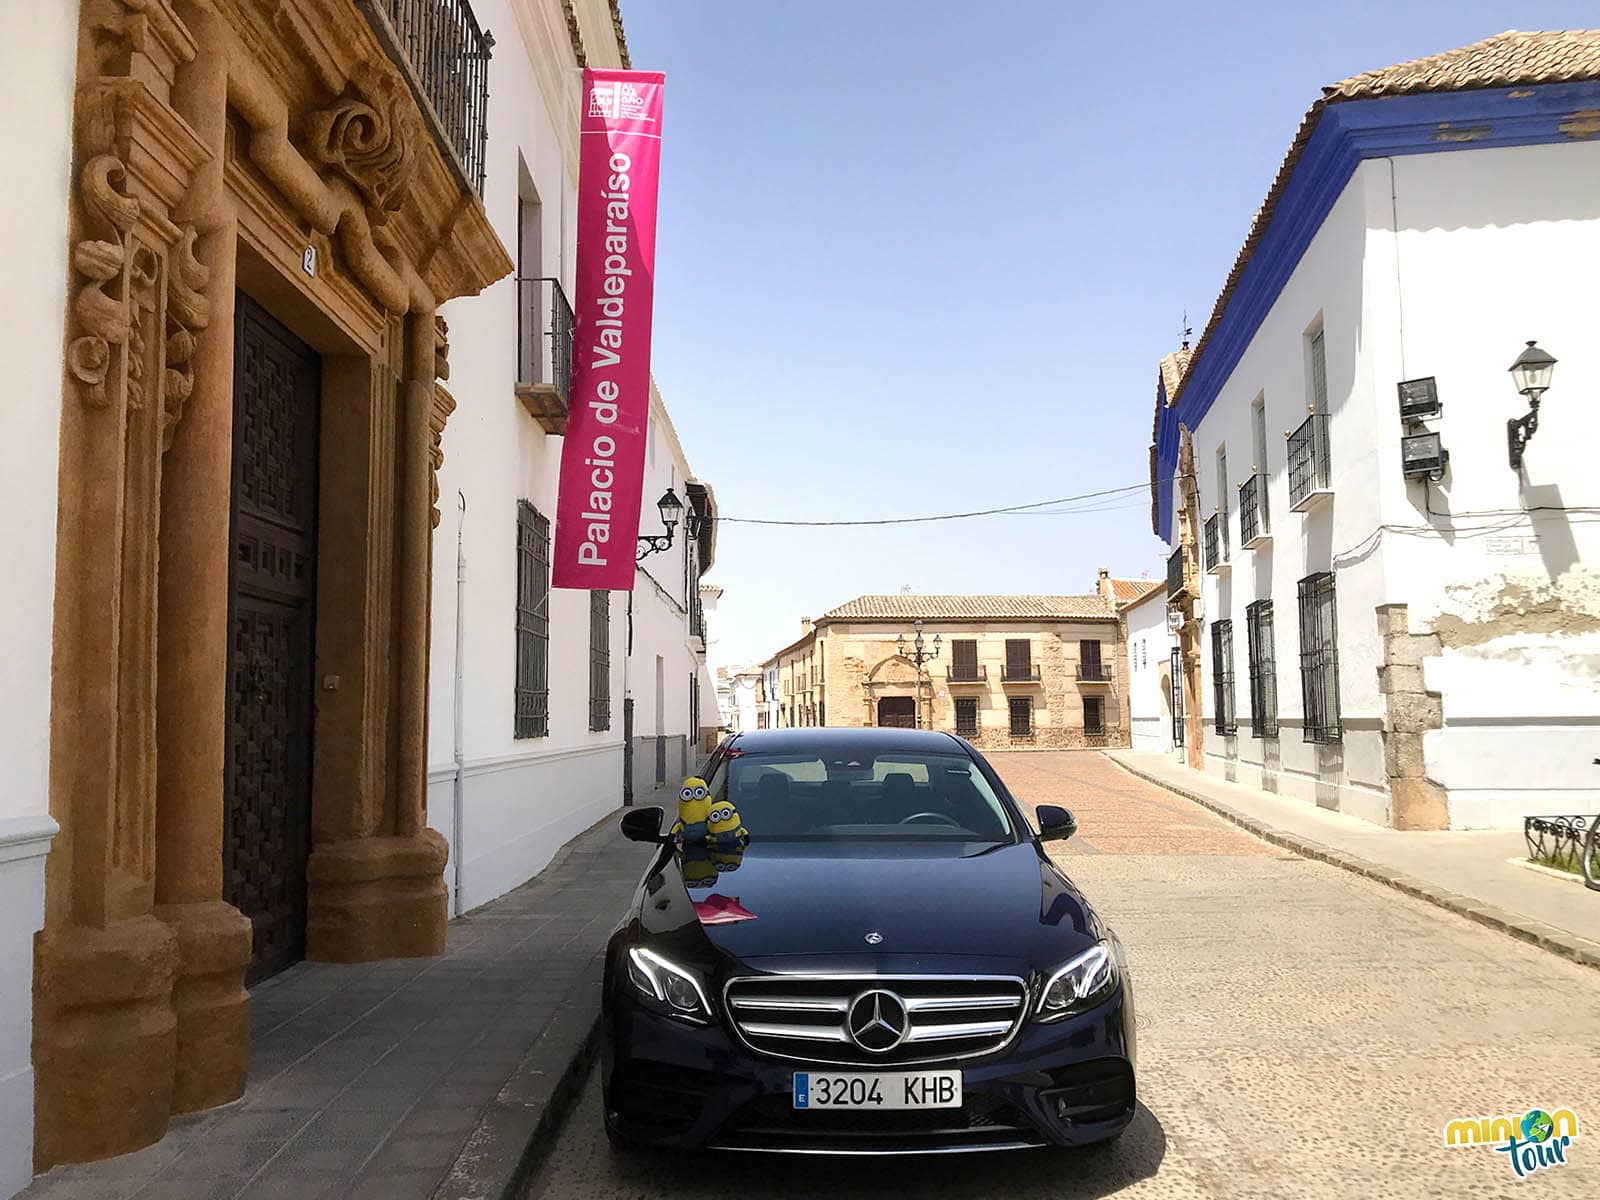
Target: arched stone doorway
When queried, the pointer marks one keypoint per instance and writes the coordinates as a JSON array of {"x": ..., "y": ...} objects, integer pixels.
[{"x": 894, "y": 680}]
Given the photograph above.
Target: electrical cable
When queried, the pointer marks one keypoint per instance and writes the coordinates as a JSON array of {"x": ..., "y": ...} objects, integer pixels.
[{"x": 960, "y": 516}]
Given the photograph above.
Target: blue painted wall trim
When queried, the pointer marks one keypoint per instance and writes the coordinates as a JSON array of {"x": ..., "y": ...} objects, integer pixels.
[{"x": 1348, "y": 133}]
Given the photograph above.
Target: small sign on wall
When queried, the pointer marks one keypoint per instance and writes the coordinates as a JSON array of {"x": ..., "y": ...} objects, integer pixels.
[{"x": 308, "y": 261}]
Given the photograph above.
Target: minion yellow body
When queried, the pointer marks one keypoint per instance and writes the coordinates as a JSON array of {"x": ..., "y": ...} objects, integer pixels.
[
  {"x": 723, "y": 827},
  {"x": 694, "y": 807}
]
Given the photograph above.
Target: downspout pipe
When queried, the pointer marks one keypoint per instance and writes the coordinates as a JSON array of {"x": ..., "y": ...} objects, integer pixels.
[{"x": 458, "y": 685}]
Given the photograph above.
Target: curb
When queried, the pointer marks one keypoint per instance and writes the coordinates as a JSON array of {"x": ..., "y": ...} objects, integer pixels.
[
  {"x": 516, "y": 1132},
  {"x": 1546, "y": 937}
]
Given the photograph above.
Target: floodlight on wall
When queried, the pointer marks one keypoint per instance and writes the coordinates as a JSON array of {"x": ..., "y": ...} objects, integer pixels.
[
  {"x": 1531, "y": 376},
  {"x": 1419, "y": 399},
  {"x": 1423, "y": 456}
]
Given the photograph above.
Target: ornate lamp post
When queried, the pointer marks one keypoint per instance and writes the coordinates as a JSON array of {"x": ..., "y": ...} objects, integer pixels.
[
  {"x": 1531, "y": 375},
  {"x": 918, "y": 655},
  {"x": 670, "y": 508}
]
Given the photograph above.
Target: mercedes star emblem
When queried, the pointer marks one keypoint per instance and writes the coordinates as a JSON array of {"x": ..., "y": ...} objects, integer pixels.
[
  {"x": 877, "y": 1021},
  {"x": 874, "y": 938}
]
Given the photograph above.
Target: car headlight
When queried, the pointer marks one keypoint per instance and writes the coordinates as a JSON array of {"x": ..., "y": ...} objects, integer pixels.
[
  {"x": 1083, "y": 981},
  {"x": 675, "y": 989}
]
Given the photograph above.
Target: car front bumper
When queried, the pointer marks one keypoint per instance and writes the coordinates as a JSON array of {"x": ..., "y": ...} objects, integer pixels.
[{"x": 673, "y": 1084}]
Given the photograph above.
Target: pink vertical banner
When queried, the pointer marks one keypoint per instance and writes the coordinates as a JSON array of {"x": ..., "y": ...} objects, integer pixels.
[{"x": 602, "y": 459}]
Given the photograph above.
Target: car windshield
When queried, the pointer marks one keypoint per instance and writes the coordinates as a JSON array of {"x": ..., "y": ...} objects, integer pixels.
[{"x": 896, "y": 794}]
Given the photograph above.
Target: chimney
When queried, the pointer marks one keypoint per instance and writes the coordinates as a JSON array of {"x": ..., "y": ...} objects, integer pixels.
[
  {"x": 1107, "y": 592},
  {"x": 805, "y": 626}
]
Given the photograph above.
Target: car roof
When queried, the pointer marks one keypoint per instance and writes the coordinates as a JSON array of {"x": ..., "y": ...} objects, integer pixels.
[{"x": 864, "y": 739}]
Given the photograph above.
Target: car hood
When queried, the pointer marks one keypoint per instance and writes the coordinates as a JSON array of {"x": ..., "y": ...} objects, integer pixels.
[{"x": 822, "y": 900}]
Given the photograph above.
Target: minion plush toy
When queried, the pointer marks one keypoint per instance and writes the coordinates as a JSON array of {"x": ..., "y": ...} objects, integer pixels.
[
  {"x": 693, "y": 808},
  {"x": 698, "y": 869},
  {"x": 723, "y": 826}
]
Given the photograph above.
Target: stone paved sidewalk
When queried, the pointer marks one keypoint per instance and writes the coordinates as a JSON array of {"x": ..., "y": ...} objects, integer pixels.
[
  {"x": 1466, "y": 871},
  {"x": 414, "y": 1079}
]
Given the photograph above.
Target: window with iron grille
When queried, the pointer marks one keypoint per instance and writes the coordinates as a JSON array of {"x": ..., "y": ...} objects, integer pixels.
[
  {"x": 599, "y": 661},
  {"x": 1319, "y": 658},
  {"x": 1094, "y": 716},
  {"x": 532, "y": 717},
  {"x": 1090, "y": 666},
  {"x": 1177, "y": 696},
  {"x": 1021, "y": 716},
  {"x": 1263, "y": 670},
  {"x": 967, "y": 716},
  {"x": 822, "y": 712},
  {"x": 1222, "y": 675}
]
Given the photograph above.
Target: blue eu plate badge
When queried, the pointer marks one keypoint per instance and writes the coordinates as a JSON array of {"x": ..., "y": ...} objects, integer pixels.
[{"x": 802, "y": 1091}]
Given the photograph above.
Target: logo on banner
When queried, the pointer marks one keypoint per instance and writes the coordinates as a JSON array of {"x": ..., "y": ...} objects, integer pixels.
[{"x": 618, "y": 102}]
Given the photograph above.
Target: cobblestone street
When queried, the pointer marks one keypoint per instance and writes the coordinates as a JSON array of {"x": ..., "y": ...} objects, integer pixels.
[{"x": 1303, "y": 1031}]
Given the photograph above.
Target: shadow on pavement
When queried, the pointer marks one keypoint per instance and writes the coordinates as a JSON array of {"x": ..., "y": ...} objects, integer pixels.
[{"x": 1059, "y": 1174}]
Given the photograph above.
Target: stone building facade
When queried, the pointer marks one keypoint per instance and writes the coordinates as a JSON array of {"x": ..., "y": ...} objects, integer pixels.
[
  {"x": 266, "y": 213},
  {"x": 1010, "y": 672}
]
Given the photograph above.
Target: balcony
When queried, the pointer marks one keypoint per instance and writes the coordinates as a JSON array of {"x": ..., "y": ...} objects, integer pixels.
[
  {"x": 1216, "y": 543},
  {"x": 544, "y": 352},
  {"x": 1094, "y": 672},
  {"x": 978, "y": 673},
  {"x": 1253, "y": 527},
  {"x": 1309, "y": 479},
  {"x": 444, "y": 54},
  {"x": 1019, "y": 673},
  {"x": 1177, "y": 583}
]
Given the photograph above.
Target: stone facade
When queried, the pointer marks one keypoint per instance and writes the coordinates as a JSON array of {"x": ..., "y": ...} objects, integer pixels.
[
  {"x": 224, "y": 148},
  {"x": 850, "y": 671}
]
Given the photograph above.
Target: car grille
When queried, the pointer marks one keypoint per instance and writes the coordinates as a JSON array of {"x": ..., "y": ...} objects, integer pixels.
[{"x": 806, "y": 1017}]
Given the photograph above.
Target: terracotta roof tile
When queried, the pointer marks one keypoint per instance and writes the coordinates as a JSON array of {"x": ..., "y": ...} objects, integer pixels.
[
  {"x": 1133, "y": 589},
  {"x": 1509, "y": 59},
  {"x": 971, "y": 608}
]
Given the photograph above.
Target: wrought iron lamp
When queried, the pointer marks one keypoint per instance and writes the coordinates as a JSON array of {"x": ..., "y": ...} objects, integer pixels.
[
  {"x": 918, "y": 655},
  {"x": 1531, "y": 374},
  {"x": 670, "y": 508}
]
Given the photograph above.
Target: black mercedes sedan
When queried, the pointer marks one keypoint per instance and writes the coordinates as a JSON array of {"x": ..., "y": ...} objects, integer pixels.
[{"x": 876, "y": 956}]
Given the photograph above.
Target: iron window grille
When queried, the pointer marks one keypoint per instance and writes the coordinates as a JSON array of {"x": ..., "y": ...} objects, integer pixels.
[
  {"x": 1021, "y": 709},
  {"x": 1308, "y": 458},
  {"x": 1094, "y": 716},
  {"x": 599, "y": 661},
  {"x": 1252, "y": 508},
  {"x": 1215, "y": 554},
  {"x": 532, "y": 718},
  {"x": 1222, "y": 675},
  {"x": 446, "y": 53},
  {"x": 1177, "y": 696},
  {"x": 1263, "y": 670},
  {"x": 1319, "y": 658},
  {"x": 544, "y": 334},
  {"x": 967, "y": 716}
]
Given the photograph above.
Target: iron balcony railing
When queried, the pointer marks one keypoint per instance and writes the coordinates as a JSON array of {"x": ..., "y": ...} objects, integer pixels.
[
  {"x": 1094, "y": 672},
  {"x": 1019, "y": 673},
  {"x": 1308, "y": 459},
  {"x": 544, "y": 334},
  {"x": 1175, "y": 573},
  {"x": 1252, "y": 509},
  {"x": 447, "y": 53},
  {"x": 976, "y": 673}
]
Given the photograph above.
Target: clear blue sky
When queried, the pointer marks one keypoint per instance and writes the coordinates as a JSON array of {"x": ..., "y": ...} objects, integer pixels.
[{"x": 924, "y": 257}]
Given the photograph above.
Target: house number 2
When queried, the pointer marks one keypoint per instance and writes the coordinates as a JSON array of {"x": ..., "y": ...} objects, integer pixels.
[{"x": 308, "y": 261}]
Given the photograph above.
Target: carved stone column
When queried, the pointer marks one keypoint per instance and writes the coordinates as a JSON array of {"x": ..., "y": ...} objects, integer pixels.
[{"x": 209, "y": 1002}]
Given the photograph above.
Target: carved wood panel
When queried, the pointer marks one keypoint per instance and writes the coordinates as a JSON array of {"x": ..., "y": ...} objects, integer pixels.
[{"x": 267, "y": 831}]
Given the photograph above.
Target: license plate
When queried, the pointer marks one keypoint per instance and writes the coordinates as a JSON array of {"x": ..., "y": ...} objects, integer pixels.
[{"x": 879, "y": 1090}]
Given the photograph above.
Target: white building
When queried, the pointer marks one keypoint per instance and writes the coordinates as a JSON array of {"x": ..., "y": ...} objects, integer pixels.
[
  {"x": 37, "y": 81},
  {"x": 1151, "y": 671},
  {"x": 1430, "y": 629}
]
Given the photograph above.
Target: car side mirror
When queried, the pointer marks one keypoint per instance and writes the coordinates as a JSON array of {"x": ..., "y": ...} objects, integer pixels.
[
  {"x": 1056, "y": 824},
  {"x": 644, "y": 824}
]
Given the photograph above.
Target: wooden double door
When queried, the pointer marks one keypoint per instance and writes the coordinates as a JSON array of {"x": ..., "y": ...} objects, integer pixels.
[{"x": 272, "y": 635}]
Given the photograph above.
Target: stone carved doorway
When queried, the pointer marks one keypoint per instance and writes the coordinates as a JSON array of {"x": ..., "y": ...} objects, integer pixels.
[{"x": 271, "y": 594}]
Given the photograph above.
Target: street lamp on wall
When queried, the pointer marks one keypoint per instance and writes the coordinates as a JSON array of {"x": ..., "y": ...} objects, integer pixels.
[
  {"x": 670, "y": 508},
  {"x": 1531, "y": 375}
]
